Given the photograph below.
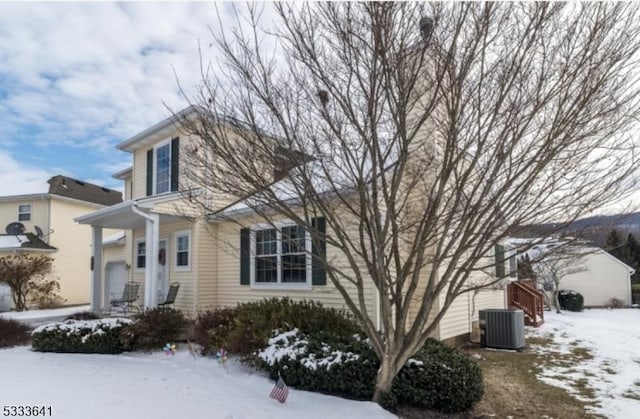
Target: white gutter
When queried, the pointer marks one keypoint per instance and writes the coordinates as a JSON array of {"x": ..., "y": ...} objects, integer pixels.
[{"x": 151, "y": 270}]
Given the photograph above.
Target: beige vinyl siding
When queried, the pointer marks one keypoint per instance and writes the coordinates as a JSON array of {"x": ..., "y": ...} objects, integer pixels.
[
  {"x": 207, "y": 256},
  {"x": 417, "y": 299},
  {"x": 139, "y": 174},
  {"x": 230, "y": 292},
  {"x": 487, "y": 298},
  {"x": 464, "y": 309},
  {"x": 39, "y": 214},
  {"x": 187, "y": 279},
  {"x": 72, "y": 261},
  {"x": 117, "y": 253},
  {"x": 456, "y": 320},
  {"x": 127, "y": 189},
  {"x": 602, "y": 279}
]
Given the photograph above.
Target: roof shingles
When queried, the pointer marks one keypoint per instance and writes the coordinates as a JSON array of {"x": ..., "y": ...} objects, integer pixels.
[{"x": 83, "y": 191}]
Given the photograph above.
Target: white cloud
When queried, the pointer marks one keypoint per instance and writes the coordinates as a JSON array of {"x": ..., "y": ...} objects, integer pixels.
[
  {"x": 84, "y": 76},
  {"x": 75, "y": 67},
  {"x": 19, "y": 179}
]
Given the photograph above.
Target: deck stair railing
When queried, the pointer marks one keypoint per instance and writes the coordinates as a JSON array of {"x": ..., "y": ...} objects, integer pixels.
[{"x": 522, "y": 295}]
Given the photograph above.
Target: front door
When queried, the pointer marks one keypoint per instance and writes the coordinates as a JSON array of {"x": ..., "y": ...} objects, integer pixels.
[{"x": 163, "y": 267}]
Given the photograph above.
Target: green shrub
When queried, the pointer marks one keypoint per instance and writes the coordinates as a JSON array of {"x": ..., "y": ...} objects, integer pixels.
[
  {"x": 153, "y": 329},
  {"x": 81, "y": 336},
  {"x": 83, "y": 315},
  {"x": 441, "y": 378},
  {"x": 322, "y": 361},
  {"x": 247, "y": 327},
  {"x": 437, "y": 377},
  {"x": 13, "y": 333},
  {"x": 212, "y": 329},
  {"x": 571, "y": 300}
]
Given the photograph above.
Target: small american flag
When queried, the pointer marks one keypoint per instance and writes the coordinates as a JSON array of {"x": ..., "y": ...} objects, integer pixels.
[{"x": 280, "y": 391}]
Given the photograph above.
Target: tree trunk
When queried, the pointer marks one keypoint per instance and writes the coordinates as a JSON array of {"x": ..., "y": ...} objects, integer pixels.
[
  {"x": 384, "y": 380},
  {"x": 556, "y": 300},
  {"x": 19, "y": 300}
]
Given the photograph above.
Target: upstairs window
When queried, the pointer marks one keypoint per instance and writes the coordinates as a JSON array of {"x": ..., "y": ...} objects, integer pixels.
[
  {"x": 24, "y": 212},
  {"x": 163, "y": 168}
]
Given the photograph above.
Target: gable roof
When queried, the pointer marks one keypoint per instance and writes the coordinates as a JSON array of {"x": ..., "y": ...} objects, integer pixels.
[
  {"x": 83, "y": 191},
  {"x": 157, "y": 131}
]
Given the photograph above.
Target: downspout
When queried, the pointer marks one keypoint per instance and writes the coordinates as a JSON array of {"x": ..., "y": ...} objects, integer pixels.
[
  {"x": 629, "y": 273},
  {"x": 151, "y": 273}
]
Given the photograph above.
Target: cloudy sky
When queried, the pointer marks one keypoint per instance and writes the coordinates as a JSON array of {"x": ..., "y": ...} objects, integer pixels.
[{"x": 78, "y": 78}]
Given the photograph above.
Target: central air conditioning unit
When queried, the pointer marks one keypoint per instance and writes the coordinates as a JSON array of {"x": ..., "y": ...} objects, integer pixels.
[{"x": 502, "y": 329}]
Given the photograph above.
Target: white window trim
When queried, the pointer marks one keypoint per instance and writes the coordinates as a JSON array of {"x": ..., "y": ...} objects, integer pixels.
[
  {"x": 20, "y": 213},
  {"x": 177, "y": 235},
  {"x": 300, "y": 286},
  {"x": 154, "y": 180},
  {"x": 135, "y": 255}
]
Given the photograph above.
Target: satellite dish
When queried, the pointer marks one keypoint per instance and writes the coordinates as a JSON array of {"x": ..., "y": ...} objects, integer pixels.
[
  {"x": 39, "y": 231},
  {"x": 15, "y": 228}
]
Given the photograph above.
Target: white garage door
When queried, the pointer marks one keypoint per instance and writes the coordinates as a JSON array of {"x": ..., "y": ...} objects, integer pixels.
[{"x": 116, "y": 276}]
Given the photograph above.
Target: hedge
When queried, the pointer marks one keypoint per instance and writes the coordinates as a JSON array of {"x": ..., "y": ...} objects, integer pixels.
[
  {"x": 437, "y": 377},
  {"x": 100, "y": 336}
]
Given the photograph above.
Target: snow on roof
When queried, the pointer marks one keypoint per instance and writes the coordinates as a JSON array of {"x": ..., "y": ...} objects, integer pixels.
[
  {"x": 537, "y": 248},
  {"x": 325, "y": 177},
  {"x": 113, "y": 239},
  {"x": 8, "y": 242}
]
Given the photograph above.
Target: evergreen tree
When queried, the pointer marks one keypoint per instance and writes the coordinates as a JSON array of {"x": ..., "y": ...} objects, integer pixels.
[
  {"x": 633, "y": 254},
  {"x": 628, "y": 251},
  {"x": 614, "y": 244}
]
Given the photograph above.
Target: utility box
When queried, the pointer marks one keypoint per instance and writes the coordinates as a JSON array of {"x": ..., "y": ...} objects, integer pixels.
[{"x": 502, "y": 329}]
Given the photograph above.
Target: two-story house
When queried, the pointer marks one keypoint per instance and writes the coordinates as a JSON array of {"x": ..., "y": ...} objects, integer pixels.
[
  {"x": 215, "y": 260},
  {"x": 43, "y": 224}
]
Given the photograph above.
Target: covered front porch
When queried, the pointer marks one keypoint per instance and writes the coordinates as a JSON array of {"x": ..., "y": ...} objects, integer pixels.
[{"x": 140, "y": 217}]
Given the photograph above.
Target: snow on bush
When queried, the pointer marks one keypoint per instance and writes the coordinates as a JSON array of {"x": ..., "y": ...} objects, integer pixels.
[
  {"x": 83, "y": 336},
  {"x": 290, "y": 345},
  {"x": 437, "y": 377}
]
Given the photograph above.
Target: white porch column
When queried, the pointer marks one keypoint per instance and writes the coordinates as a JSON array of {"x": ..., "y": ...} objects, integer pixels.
[
  {"x": 96, "y": 274},
  {"x": 151, "y": 270}
]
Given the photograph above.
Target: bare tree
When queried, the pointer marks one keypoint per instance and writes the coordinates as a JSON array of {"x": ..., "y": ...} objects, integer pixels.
[
  {"x": 27, "y": 276},
  {"x": 552, "y": 260},
  {"x": 422, "y": 133}
]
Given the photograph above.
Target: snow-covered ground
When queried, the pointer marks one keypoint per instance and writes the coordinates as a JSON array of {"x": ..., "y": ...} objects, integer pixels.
[
  {"x": 613, "y": 339},
  {"x": 156, "y": 386},
  {"x": 36, "y": 317}
]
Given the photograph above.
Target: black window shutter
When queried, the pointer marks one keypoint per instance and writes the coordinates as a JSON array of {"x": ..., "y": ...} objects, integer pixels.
[
  {"x": 150, "y": 172},
  {"x": 175, "y": 158},
  {"x": 318, "y": 272},
  {"x": 245, "y": 257},
  {"x": 499, "y": 252}
]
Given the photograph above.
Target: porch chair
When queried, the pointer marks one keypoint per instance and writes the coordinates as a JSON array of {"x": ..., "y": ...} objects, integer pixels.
[
  {"x": 129, "y": 295},
  {"x": 171, "y": 295}
]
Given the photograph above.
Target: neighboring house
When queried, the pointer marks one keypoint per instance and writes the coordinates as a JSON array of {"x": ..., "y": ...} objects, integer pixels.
[
  {"x": 43, "y": 224},
  {"x": 602, "y": 278},
  {"x": 214, "y": 260},
  {"x": 591, "y": 271}
]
